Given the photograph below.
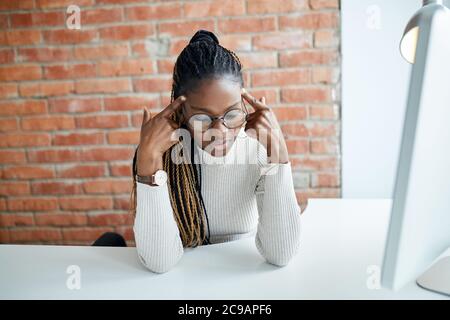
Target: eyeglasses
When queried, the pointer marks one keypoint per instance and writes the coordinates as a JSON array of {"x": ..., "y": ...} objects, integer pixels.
[{"x": 232, "y": 119}]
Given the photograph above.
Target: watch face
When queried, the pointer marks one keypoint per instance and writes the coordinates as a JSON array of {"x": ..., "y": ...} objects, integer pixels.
[{"x": 160, "y": 177}]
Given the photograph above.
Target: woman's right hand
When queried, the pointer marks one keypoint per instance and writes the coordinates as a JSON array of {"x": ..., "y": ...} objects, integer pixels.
[{"x": 157, "y": 136}]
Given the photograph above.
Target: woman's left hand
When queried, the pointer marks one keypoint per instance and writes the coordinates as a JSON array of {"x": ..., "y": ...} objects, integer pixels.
[{"x": 263, "y": 125}]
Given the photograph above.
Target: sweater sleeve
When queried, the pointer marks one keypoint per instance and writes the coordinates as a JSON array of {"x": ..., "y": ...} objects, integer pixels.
[
  {"x": 278, "y": 230},
  {"x": 156, "y": 232}
]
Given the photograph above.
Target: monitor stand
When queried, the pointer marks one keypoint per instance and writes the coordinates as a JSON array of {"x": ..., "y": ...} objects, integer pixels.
[{"x": 437, "y": 277}]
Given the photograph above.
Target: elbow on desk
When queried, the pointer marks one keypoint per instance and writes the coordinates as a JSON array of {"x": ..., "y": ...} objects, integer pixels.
[
  {"x": 278, "y": 250},
  {"x": 159, "y": 258},
  {"x": 159, "y": 265},
  {"x": 277, "y": 258}
]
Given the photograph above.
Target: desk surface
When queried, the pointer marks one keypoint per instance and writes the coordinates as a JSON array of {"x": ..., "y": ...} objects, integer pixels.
[{"x": 340, "y": 258}]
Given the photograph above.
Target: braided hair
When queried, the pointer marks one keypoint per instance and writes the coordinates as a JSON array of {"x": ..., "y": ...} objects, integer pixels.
[{"x": 202, "y": 59}]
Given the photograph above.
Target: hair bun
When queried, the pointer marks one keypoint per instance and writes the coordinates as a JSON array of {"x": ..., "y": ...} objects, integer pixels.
[{"x": 204, "y": 35}]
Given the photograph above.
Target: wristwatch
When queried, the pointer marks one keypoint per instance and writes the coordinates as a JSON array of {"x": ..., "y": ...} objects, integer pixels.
[{"x": 156, "y": 179}]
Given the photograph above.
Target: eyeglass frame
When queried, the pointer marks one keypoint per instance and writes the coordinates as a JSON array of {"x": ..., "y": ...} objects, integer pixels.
[{"x": 222, "y": 117}]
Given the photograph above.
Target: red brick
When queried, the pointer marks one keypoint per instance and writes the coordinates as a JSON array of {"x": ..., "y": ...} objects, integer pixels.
[
  {"x": 294, "y": 130},
  {"x": 133, "y": 102},
  {"x": 290, "y": 113},
  {"x": 122, "y": 203},
  {"x": 275, "y": 6},
  {"x": 15, "y": 108},
  {"x": 177, "y": 29},
  {"x": 281, "y": 41},
  {"x": 14, "y": 188},
  {"x": 256, "y": 60},
  {"x": 102, "y": 121},
  {"x": 4, "y": 21},
  {"x": 155, "y": 12},
  {"x": 88, "y": 234},
  {"x": 127, "y": 32},
  {"x": 101, "y": 51},
  {"x": 324, "y": 4},
  {"x": 316, "y": 163},
  {"x": 112, "y": 219},
  {"x": 247, "y": 24},
  {"x": 12, "y": 156},
  {"x": 8, "y": 90},
  {"x": 326, "y": 38},
  {"x": 8, "y": 124},
  {"x": 44, "y": 54},
  {"x": 324, "y": 146},
  {"x": 82, "y": 171},
  {"x": 24, "y": 139},
  {"x": 107, "y": 186},
  {"x": 121, "y": 170},
  {"x": 107, "y": 154},
  {"x": 102, "y": 86},
  {"x": 117, "y": 1},
  {"x": 37, "y": 19},
  {"x": 313, "y": 21},
  {"x": 60, "y": 219},
  {"x": 72, "y": 71},
  {"x": 125, "y": 67},
  {"x": 6, "y": 56},
  {"x": 46, "y": 4},
  {"x": 325, "y": 75},
  {"x": 45, "y": 89},
  {"x": 325, "y": 180},
  {"x": 20, "y": 37},
  {"x": 124, "y": 137},
  {"x": 26, "y": 235},
  {"x": 308, "y": 57},
  {"x": 16, "y": 5},
  {"x": 32, "y": 204},
  {"x": 98, "y": 16},
  {"x": 323, "y": 112},
  {"x": 297, "y": 146},
  {"x": 156, "y": 84},
  {"x": 75, "y": 105},
  {"x": 78, "y": 139},
  {"x": 20, "y": 72},
  {"x": 16, "y": 220},
  {"x": 164, "y": 65},
  {"x": 4, "y": 236},
  {"x": 48, "y": 123},
  {"x": 53, "y": 155},
  {"x": 206, "y": 9},
  {"x": 281, "y": 77},
  {"x": 305, "y": 95},
  {"x": 39, "y": 188},
  {"x": 86, "y": 203},
  {"x": 323, "y": 129},
  {"x": 28, "y": 172},
  {"x": 68, "y": 36}
]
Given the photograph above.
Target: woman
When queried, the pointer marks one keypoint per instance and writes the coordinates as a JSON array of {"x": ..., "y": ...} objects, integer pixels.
[{"x": 215, "y": 196}]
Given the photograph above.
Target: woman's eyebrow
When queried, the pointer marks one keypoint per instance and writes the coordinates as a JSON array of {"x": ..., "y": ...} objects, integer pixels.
[{"x": 203, "y": 109}]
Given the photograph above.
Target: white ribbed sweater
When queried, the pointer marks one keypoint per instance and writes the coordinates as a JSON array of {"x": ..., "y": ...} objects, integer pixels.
[{"x": 243, "y": 195}]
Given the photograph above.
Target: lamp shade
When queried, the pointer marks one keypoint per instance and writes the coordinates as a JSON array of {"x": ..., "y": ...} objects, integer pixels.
[{"x": 408, "y": 44}]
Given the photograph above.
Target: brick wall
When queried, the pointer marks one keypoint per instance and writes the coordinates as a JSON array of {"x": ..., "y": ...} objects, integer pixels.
[{"x": 71, "y": 100}]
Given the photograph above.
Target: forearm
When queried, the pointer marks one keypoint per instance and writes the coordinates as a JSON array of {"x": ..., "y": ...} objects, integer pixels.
[
  {"x": 158, "y": 242},
  {"x": 278, "y": 232}
]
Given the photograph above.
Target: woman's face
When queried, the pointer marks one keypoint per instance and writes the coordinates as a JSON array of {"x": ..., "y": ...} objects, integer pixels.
[{"x": 214, "y": 97}]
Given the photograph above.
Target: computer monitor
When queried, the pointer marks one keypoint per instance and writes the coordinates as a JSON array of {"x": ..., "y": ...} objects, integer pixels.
[{"x": 419, "y": 230}]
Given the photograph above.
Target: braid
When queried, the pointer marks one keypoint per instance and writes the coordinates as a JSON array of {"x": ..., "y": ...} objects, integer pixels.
[{"x": 203, "y": 58}]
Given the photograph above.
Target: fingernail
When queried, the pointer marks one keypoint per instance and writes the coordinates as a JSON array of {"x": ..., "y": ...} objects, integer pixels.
[
  {"x": 243, "y": 90},
  {"x": 183, "y": 98}
]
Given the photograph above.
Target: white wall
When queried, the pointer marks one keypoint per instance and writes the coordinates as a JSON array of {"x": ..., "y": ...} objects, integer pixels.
[{"x": 375, "y": 81}]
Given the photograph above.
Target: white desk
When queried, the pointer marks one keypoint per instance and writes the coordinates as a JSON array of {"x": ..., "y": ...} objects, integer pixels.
[{"x": 341, "y": 240}]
